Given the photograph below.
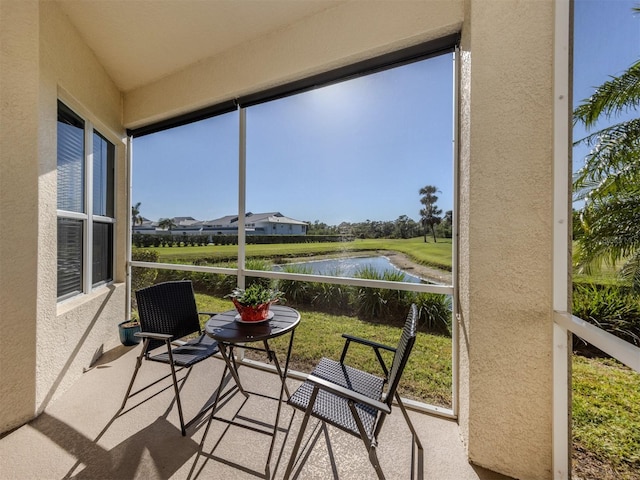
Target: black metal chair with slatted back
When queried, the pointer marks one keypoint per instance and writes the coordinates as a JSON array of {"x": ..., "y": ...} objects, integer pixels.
[
  {"x": 356, "y": 401},
  {"x": 168, "y": 313}
]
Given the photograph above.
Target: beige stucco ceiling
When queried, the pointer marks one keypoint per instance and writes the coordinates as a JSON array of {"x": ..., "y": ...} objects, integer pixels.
[{"x": 140, "y": 41}]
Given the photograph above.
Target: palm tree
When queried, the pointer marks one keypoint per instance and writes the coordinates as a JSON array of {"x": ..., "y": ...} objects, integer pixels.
[
  {"x": 136, "y": 218},
  {"x": 166, "y": 224},
  {"x": 430, "y": 214},
  {"x": 609, "y": 181}
]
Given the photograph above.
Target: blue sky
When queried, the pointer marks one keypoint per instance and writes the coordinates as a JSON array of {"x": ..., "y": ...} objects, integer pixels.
[
  {"x": 354, "y": 151},
  {"x": 345, "y": 152}
]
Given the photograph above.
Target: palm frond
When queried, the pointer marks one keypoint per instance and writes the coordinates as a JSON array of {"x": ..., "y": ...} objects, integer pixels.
[
  {"x": 630, "y": 271},
  {"x": 616, "y": 154},
  {"x": 620, "y": 94},
  {"x": 625, "y": 133},
  {"x": 625, "y": 182},
  {"x": 611, "y": 232}
]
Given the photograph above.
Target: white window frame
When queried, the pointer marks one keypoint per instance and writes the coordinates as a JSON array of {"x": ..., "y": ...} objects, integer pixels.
[{"x": 87, "y": 217}]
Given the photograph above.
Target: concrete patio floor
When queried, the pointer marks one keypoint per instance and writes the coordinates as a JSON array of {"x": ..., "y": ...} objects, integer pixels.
[{"x": 81, "y": 434}]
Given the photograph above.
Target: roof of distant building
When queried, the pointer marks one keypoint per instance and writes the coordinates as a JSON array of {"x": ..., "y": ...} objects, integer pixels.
[
  {"x": 226, "y": 221},
  {"x": 271, "y": 217}
]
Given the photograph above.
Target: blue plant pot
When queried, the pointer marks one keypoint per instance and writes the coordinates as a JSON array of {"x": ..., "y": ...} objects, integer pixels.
[{"x": 127, "y": 337}]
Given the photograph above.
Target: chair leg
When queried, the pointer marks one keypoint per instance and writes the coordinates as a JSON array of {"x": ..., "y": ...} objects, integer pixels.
[
  {"x": 415, "y": 439},
  {"x": 369, "y": 443},
  {"x": 373, "y": 458},
  {"x": 135, "y": 373},
  {"x": 303, "y": 427},
  {"x": 176, "y": 389}
]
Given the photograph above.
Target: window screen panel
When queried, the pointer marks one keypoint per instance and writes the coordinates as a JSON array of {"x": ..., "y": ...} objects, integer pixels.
[
  {"x": 102, "y": 252},
  {"x": 70, "y": 237},
  {"x": 70, "y": 160}
]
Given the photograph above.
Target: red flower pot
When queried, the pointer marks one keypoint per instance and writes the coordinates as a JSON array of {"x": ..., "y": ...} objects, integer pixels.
[{"x": 252, "y": 313}]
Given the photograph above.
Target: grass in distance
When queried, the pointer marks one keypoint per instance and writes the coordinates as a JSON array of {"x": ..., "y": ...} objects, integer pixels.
[{"x": 431, "y": 254}]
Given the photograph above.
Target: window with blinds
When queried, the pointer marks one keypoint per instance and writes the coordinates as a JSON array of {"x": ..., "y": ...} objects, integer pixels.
[
  {"x": 70, "y": 160},
  {"x": 70, "y": 242},
  {"x": 85, "y": 205}
]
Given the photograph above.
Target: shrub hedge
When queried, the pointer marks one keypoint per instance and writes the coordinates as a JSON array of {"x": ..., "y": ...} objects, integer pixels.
[
  {"x": 143, "y": 277},
  {"x": 145, "y": 240},
  {"x": 614, "y": 308}
]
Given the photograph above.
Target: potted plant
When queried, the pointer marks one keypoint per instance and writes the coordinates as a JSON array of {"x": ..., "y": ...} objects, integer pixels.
[
  {"x": 253, "y": 302},
  {"x": 127, "y": 329}
]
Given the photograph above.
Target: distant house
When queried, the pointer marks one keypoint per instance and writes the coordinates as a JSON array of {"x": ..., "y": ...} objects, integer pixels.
[
  {"x": 145, "y": 226},
  {"x": 184, "y": 221},
  {"x": 270, "y": 223}
]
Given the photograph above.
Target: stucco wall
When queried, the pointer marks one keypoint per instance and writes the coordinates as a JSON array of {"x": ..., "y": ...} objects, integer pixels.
[
  {"x": 19, "y": 44},
  {"x": 45, "y": 345},
  {"x": 70, "y": 334},
  {"x": 506, "y": 235}
]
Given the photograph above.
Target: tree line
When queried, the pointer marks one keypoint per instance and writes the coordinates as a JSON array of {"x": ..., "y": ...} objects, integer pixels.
[{"x": 431, "y": 222}]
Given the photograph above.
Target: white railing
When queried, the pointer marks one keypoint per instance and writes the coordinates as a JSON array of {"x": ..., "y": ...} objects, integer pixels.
[
  {"x": 303, "y": 277},
  {"x": 613, "y": 346}
]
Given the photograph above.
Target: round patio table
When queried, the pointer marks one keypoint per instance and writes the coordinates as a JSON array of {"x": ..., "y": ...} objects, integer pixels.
[{"x": 230, "y": 331}]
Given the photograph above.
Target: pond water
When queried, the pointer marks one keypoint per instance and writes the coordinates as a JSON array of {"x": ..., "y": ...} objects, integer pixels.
[{"x": 350, "y": 266}]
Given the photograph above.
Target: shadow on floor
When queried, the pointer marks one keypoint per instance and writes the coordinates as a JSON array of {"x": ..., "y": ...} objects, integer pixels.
[{"x": 145, "y": 454}]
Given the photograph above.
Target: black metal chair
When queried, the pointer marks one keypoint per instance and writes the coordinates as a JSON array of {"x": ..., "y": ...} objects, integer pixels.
[
  {"x": 356, "y": 401},
  {"x": 168, "y": 313}
]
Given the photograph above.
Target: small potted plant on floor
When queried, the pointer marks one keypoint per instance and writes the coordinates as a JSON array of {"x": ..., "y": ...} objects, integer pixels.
[
  {"x": 127, "y": 330},
  {"x": 253, "y": 302}
]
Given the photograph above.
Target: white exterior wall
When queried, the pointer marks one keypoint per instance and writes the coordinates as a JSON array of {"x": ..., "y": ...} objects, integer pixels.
[
  {"x": 18, "y": 209},
  {"x": 46, "y": 345}
]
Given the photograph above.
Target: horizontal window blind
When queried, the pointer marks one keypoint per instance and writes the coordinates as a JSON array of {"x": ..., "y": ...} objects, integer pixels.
[
  {"x": 70, "y": 239},
  {"x": 70, "y": 160}
]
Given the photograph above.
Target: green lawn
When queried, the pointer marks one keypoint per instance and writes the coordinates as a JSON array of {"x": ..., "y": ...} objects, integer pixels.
[
  {"x": 437, "y": 255},
  {"x": 430, "y": 253},
  {"x": 606, "y": 420}
]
